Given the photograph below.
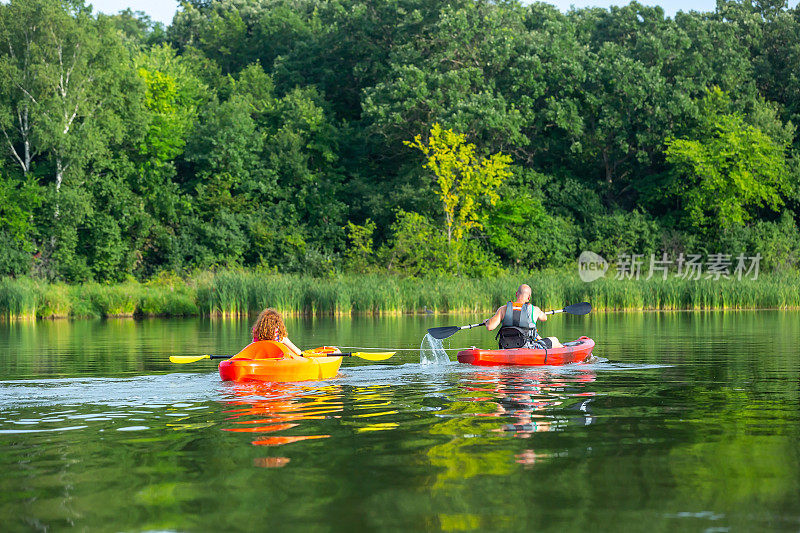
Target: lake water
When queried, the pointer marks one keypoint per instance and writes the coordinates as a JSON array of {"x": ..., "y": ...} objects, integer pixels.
[{"x": 687, "y": 421}]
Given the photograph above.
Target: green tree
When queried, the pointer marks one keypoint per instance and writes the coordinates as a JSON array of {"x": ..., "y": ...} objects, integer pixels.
[
  {"x": 418, "y": 247},
  {"x": 138, "y": 29},
  {"x": 173, "y": 95},
  {"x": 18, "y": 200},
  {"x": 451, "y": 76},
  {"x": 522, "y": 232},
  {"x": 64, "y": 70},
  {"x": 223, "y": 151},
  {"x": 360, "y": 254},
  {"x": 464, "y": 180},
  {"x": 727, "y": 171},
  {"x": 69, "y": 84},
  {"x": 302, "y": 153}
]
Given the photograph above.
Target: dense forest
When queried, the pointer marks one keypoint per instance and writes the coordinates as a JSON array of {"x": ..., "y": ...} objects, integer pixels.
[{"x": 406, "y": 136}]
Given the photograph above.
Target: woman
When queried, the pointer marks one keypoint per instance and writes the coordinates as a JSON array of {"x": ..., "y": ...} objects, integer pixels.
[{"x": 269, "y": 326}]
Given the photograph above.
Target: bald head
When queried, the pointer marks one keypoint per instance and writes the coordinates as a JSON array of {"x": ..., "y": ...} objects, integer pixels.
[{"x": 523, "y": 293}]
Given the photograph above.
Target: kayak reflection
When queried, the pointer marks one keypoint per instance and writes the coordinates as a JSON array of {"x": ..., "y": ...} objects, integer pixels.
[
  {"x": 536, "y": 401},
  {"x": 266, "y": 408},
  {"x": 489, "y": 405},
  {"x": 539, "y": 401}
]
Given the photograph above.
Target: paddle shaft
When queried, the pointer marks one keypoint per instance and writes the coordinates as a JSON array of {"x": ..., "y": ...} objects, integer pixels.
[
  {"x": 369, "y": 356},
  {"x": 332, "y": 354}
]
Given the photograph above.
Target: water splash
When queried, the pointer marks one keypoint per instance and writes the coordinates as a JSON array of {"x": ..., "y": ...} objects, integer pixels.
[{"x": 431, "y": 352}]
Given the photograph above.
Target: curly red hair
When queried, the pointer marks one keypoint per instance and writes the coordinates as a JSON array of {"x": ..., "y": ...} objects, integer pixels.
[{"x": 269, "y": 322}]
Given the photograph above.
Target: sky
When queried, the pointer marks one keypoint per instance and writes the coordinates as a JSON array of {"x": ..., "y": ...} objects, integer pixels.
[{"x": 163, "y": 10}]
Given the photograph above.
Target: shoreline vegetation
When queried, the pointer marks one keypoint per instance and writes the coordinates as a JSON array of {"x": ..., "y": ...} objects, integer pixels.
[
  {"x": 242, "y": 293},
  {"x": 467, "y": 138}
]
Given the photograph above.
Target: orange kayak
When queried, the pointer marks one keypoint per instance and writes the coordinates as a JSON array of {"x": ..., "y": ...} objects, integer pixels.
[
  {"x": 576, "y": 351},
  {"x": 273, "y": 361}
]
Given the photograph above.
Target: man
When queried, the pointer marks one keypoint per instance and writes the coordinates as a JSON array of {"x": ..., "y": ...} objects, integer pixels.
[{"x": 518, "y": 320}]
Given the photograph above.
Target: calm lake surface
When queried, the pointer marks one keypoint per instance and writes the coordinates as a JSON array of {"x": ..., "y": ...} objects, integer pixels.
[{"x": 688, "y": 421}]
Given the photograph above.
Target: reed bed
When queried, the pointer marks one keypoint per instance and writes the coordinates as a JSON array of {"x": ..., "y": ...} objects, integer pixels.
[
  {"x": 240, "y": 293},
  {"x": 31, "y": 299}
]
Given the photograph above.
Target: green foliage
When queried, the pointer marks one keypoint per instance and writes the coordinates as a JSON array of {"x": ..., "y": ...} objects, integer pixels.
[
  {"x": 464, "y": 182},
  {"x": 729, "y": 170},
  {"x": 777, "y": 242},
  {"x": 623, "y": 233},
  {"x": 419, "y": 248},
  {"x": 526, "y": 233},
  {"x": 521, "y": 231},
  {"x": 18, "y": 200},
  {"x": 513, "y": 223},
  {"x": 172, "y": 96},
  {"x": 138, "y": 28},
  {"x": 360, "y": 255},
  {"x": 256, "y": 134},
  {"x": 65, "y": 243}
]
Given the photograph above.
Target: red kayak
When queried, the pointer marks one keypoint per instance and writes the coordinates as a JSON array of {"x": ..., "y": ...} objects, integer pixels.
[{"x": 577, "y": 351}]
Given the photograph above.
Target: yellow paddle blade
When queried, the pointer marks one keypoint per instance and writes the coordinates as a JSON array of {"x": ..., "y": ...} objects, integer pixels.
[
  {"x": 373, "y": 356},
  {"x": 187, "y": 358}
]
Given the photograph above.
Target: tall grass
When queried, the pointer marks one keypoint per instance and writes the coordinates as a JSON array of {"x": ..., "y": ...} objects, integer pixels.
[
  {"x": 30, "y": 299},
  {"x": 238, "y": 292},
  {"x": 18, "y": 298}
]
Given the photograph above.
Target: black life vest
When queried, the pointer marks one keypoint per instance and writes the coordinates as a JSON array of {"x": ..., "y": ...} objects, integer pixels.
[{"x": 518, "y": 328}]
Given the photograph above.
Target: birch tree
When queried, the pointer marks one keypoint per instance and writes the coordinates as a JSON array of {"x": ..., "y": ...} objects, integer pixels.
[{"x": 59, "y": 69}]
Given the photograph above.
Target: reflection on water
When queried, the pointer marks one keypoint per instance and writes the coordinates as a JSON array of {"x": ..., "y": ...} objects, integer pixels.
[
  {"x": 685, "y": 421},
  {"x": 281, "y": 409}
]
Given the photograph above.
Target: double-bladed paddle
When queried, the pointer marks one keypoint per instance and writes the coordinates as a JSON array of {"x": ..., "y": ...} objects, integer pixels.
[
  {"x": 582, "y": 308},
  {"x": 374, "y": 356}
]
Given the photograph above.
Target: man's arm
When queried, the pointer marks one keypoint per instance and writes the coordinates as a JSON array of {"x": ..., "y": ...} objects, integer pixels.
[
  {"x": 538, "y": 314},
  {"x": 498, "y": 316}
]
